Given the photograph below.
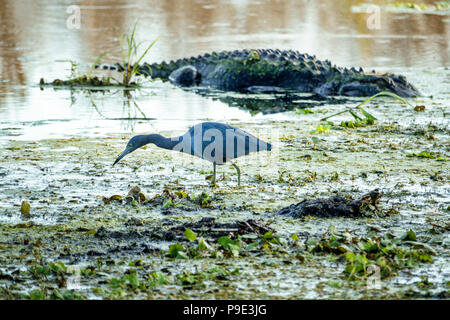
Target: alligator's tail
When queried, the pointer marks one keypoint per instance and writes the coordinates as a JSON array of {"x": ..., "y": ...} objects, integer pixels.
[
  {"x": 155, "y": 70},
  {"x": 117, "y": 66}
]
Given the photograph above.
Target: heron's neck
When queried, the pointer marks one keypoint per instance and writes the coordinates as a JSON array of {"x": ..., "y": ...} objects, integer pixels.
[{"x": 161, "y": 141}]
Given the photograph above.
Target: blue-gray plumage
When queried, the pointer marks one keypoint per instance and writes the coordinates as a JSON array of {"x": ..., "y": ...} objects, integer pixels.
[{"x": 212, "y": 141}]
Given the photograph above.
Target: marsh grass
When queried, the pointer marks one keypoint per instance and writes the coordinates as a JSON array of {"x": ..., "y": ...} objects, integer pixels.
[
  {"x": 366, "y": 118},
  {"x": 130, "y": 56}
]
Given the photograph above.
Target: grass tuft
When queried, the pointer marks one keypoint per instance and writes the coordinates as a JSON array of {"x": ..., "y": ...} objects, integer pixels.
[{"x": 130, "y": 56}]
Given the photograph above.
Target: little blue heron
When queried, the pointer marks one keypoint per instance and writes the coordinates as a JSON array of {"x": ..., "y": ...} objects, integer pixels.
[{"x": 212, "y": 141}]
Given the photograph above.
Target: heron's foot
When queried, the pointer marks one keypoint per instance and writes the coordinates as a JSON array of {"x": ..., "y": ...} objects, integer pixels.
[
  {"x": 238, "y": 173},
  {"x": 214, "y": 181}
]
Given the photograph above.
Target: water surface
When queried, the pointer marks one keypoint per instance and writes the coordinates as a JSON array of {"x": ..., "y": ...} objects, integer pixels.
[{"x": 35, "y": 42}]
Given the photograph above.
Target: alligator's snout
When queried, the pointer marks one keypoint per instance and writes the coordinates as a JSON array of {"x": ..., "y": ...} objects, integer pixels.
[
  {"x": 402, "y": 87},
  {"x": 377, "y": 83}
]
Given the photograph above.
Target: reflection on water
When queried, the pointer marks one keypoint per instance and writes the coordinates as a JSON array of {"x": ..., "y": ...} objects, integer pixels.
[
  {"x": 34, "y": 39},
  {"x": 269, "y": 103}
]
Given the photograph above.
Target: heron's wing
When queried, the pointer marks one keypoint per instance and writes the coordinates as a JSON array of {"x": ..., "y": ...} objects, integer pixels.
[
  {"x": 194, "y": 140},
  {"x": 244, "y": 143},
  {"x": 233, "y": 142}
]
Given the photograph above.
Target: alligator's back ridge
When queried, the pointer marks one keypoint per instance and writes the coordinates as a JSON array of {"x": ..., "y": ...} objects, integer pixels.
[
  {"x": 163, "y": 69},
  {"x": 251, "y": 70}
]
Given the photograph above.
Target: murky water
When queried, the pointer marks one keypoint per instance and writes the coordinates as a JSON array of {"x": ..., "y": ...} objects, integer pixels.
[{"x": 36, "y": 42}]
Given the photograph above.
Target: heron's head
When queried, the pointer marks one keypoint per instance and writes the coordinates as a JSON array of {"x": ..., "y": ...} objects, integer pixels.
[{"x": 134, "y": 143}]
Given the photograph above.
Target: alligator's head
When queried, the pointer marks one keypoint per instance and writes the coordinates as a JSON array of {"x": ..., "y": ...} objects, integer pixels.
[
  {"x": 368, "y": 85},
  {"x": 185, "y": 76}
]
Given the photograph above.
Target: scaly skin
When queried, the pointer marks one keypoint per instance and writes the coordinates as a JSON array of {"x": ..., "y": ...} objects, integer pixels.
[{"x": 266, "y": 70}]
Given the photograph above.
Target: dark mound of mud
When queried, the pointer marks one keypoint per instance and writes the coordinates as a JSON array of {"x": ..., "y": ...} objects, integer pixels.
[
  {"x": 364, "y": 206},
  {"x": 211, "y": 228},
  {"x": 205, "y": 227}
]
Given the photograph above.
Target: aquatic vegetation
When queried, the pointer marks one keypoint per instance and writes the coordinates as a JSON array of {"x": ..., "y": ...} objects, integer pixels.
[
  {"x": 303, "y": 111},
  {"x": 388, "y": 254},
  {"x": 135, "y": 279},
  {"x": 130, "y": 56},
  {"x": 437, "y": 6},
  {"x": 81, "y": 81},
  {"x": 53, "y": 294},
  {"x": 366, "y": 118},
  {"x": 352, "y": 124},
  {"x": 169, "y": 204},
  {"x": 25, "y": 209},
  {"x": 428, "y": 155},
  {"x": 324, "y": 129},
  {"x": 188, "y": 278},
  {"x": 190, "y": 235},
  {"x": 225, "y": 246},
  {"x": 230, "y": 246},
  {"x": 282, "y": 179},
  {"x": 203, "y": 200},
  {"x": 165, "y": 200}
]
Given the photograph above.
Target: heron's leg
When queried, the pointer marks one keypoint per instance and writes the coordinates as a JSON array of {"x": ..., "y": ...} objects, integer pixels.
[
  {"x": 213, "y": 182},
  {"x": 238, "y": 173}
]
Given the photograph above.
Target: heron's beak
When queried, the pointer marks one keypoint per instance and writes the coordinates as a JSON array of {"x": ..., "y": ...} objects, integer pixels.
[{"x": 123, "y": 154}]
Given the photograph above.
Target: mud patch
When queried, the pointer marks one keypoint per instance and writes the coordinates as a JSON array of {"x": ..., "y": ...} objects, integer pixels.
[{"x": 210, "y": 228}]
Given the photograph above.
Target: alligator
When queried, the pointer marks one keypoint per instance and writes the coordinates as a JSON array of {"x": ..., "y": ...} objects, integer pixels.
[{"x": 267, "y": 70}]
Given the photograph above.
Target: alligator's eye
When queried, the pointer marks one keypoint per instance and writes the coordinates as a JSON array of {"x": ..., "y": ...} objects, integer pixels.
[{"x": 253, "y": 55}]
